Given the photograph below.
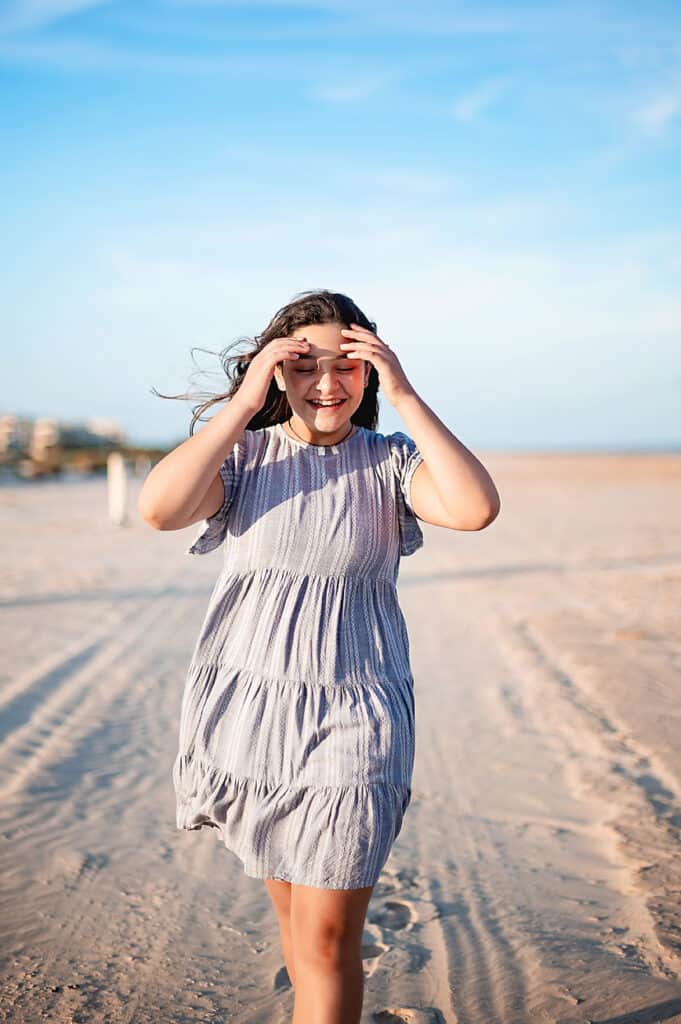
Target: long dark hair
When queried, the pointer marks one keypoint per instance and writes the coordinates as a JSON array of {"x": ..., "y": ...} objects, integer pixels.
[{"x": 311, "y": 307}]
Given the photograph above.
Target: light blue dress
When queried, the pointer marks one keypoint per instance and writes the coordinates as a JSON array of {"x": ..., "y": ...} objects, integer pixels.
[{"x": 297, "y": 722}]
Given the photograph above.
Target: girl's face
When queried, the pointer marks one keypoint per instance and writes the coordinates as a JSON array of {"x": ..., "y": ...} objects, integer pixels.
[{"x": 323, "y": 373}]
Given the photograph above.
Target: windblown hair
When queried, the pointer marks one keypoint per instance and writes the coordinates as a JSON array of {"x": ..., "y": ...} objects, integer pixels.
[{"x": 311, "y": 307}]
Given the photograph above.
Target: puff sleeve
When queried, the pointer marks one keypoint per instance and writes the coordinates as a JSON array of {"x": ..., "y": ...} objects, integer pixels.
[
  {"x": 213, "y": 530},
  {"x": 405, "y": 458}
]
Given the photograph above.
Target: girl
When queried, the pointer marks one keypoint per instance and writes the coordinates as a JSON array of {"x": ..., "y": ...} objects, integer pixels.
[{"x": 297, "y": 721}]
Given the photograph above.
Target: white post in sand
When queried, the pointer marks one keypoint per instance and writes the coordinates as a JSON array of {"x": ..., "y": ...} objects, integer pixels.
[{"x": 117, "y": 485}]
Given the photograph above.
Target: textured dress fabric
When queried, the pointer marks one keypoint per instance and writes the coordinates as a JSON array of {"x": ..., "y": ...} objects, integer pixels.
[{"x": 297, "y": 724}]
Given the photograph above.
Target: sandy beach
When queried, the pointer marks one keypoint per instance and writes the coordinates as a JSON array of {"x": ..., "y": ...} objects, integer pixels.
[{"x": 537, "y": 877}]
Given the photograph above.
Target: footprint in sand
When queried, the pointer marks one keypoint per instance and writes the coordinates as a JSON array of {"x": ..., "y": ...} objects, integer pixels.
[
  {"x": 394, "y": 915},
  {"x": 76, "y": 867},
  {"x": 372, "y": 949},
  {"x": 371, "y": 953},
  {"x": 281, "y": 980},
  {"x": 408, "y": 878},
  {"x": 167, "y": 852},
  {"x": 394, "y": 883},
  {"x": 387, "y": 883},
  {"x": 407, "y": 1015}
]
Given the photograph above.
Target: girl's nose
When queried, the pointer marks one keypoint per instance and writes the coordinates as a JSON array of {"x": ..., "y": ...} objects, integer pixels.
[{"x": 328, "y": 375}]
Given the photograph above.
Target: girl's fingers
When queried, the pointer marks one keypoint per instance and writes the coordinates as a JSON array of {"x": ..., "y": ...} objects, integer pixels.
[
  {"x": 362, "y": 332},
  {"x": 346, "y": 344},
  {"x": 292, "y": 342},
  {"x": 289, "y": 346}
]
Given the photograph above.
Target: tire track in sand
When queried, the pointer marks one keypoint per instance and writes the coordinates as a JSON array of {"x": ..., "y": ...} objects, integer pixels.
[
  {"x": 148, "y": 915},
  {"x": 56, "y": 723},
  {"x": 642, "y": 803}
]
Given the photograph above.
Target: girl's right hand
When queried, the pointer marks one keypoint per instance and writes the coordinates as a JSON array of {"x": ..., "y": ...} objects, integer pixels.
[{"x": 258, "y": 377}]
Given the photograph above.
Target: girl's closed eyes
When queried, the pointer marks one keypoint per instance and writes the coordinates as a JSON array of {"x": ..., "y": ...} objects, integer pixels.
[{"x": 342, "y": 369}]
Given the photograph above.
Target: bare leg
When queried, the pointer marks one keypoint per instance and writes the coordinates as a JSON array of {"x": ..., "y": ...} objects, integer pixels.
[
  {"x": 280, "y": 893},
  {"x": 326, "y": 927}
]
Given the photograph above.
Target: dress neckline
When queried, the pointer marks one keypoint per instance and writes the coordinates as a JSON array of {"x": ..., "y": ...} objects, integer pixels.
[{"x": 321, "y": 449}]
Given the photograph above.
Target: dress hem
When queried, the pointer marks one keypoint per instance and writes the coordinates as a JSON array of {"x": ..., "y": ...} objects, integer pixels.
[
  {"x": 263, "y": 874},
  {"x": 196, "y": 809}
]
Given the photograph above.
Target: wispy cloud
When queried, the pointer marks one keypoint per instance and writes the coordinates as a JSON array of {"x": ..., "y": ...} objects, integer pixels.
[
  {"x": 354, "y": 89},
  {"x": 23, "y": 15},
  {"x": 424, "y": 22},
  {"x": 400, "y": 13},
  {"x": 656, "y": 114},
  {"x": 470, "y": 104},
  {"x": 368, "y": 178},
  {"x": 201, "y": 17},
  {"x": 275, "y": 4},
  {"x": 411, "y": 183},
  {"x": 83, "y": 54}
]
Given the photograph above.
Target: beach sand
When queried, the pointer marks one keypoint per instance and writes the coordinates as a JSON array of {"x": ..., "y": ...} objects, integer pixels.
[{"x": 537, "y": 877}]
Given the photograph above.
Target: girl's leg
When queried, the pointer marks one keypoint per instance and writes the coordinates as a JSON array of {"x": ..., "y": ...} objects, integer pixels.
[
  {"x": 326, "y": 928},
  {"x": 280, "y": 894}
]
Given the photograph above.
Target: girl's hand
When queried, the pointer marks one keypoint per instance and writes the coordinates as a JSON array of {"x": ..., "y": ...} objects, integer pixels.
[
  {"x": 258, "y": 377},
  {"x": 391, "y": 376}
]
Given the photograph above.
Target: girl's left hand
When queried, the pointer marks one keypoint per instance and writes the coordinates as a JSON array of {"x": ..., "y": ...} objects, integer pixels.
[{"x": 392, "y": 378}]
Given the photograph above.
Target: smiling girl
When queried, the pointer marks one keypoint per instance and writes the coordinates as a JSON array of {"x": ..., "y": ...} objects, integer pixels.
[{"x": 297, "y": 721}]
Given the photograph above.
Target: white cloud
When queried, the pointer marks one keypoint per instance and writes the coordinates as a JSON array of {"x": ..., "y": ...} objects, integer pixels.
[
  {"x": 23, "y": 15},
  {"x": 354, "y": 89},
  {"x": 399, "y": 14},
  {"x": 75, "y": 54},
  {"x": 406, "y": 182},
  {"x": 423, "y": 22},
  {"x": 251, "y": 163},
  {"x": 489, "y": 324},
  {"x": 430, "y": 282},
  {"x": 470, "y": 104},
  {"x": 293, "y": 4},
  {"x": 655, "y": 115}
]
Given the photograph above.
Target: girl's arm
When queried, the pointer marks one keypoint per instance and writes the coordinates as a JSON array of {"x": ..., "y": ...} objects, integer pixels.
[
  {"x": 451, "y": 487},
  {"x": 185, "y": 485}
]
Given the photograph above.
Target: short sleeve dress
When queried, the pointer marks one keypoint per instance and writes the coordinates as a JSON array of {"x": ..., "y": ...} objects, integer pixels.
[{"x": 297, "y": 723}]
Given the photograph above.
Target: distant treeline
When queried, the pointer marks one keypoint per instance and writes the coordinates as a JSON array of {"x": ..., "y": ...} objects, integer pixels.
[{"x": 86, "y": 460}]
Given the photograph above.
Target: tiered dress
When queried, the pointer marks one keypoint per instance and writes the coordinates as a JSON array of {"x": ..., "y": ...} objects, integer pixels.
[{"x": 297, "y": 725}]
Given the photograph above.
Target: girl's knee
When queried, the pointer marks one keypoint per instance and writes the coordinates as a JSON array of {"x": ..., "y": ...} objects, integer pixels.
[{"x": 326, "y": 948}]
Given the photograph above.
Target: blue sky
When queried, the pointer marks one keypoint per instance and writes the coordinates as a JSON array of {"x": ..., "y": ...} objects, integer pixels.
[{"x": 497, "y": 186}]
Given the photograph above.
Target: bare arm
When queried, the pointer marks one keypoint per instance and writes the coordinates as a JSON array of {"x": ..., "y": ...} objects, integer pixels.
[
  {"x": 185, "y": 485},
  {"x": 451, "y": 487}
]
